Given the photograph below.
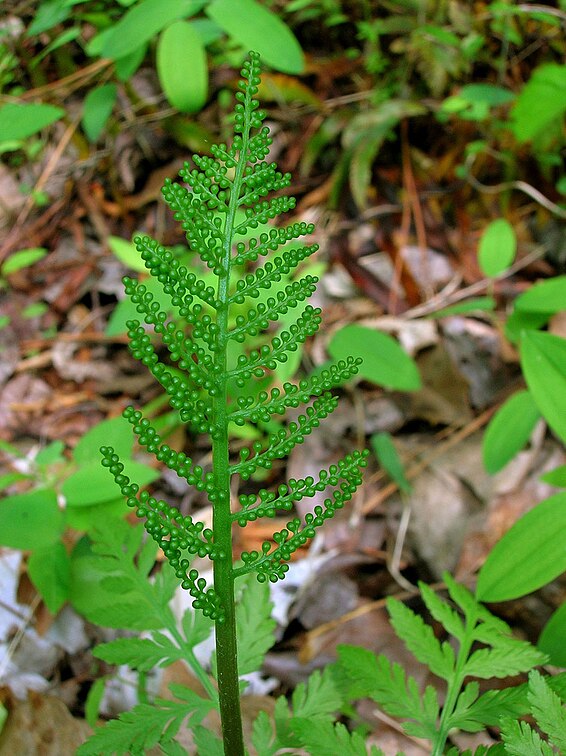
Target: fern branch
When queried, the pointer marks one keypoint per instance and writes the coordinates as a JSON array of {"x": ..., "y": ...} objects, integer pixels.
[
  {"x": 281, "y": 443},
  {"x": 270, "y": 242},
  {"x": 257, "y": 320},
  {"x": 278, "y": 401}
]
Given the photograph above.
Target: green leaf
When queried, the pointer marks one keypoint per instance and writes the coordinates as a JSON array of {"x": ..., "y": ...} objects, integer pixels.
[
  {"x": 319, "y": 698},
  {"x": 478, "y": 304},
  {"x": 542, "y": 99},
  {"x": 92, "y": 484},
  {"x": 22, "y": 120},
  {"x": 509, "y": 430},
  {"x": 207, "y": 742},
  {"x": 143, "y": 22},
  {"x": 196, "y": 627},
  {"x": 386, "y": 683},
  {"x": 420, "y": 639},
  {"x": 257, "y": 28},
  {"x": 548, "y": 710},
  {"x": 384, "y": 361},
  {"x": 521, "y": 740},
  {"x": 546, "y": 297},
  {"x": 255, "y": 627},
  {"x": 543, "y": 361},
  {"x": 556, "y": 477},
  {"x": 182, "y": 67},
  {"x": 31, "y": 520},
  {"x": 263, "y": 737},
  {"x": 442, "y": 613},
  {"x": 49, "y": 571},
  {"x": 118, "y": 429},
  {"x": 551, "y": 639},
  {"x": 142, "y": 728},
  {"x": 22, "y": 259},
  {"x": 520, "y": 321},
  {"x": 488, "y": 709},
  {"x": 97, "y": 108},
  {"x": 389, "y": 459},
  {"x": 127, "y": 253},
  {"x": 323, "y": 737},
  {"x": 93, "y": 701},
  {"x": 48, "y": 15},
  {"x": 528, "y": 556},
  {"x": 140, "y": 653},
  {"x": 509, "y": 659},
  {"x": 497, "y": 247}
]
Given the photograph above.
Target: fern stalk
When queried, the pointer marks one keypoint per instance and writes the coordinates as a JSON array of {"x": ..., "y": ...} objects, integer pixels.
[{"x": 226, "y": 643}]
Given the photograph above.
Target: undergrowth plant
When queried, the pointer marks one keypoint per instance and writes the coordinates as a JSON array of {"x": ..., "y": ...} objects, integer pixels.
[{"x": 207, "y": 324}]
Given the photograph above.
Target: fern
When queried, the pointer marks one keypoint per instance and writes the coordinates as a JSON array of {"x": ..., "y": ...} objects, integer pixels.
[
  {"x": 361, "y": 674},
  {"x": 224, "y": 197}
]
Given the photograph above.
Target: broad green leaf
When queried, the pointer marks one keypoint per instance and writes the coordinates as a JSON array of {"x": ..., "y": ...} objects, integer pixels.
[
  {"x": 48, "y": 15},
  {"x": 49, "y": 570},
  {"x": 142, "y": 22},
  {"x": 98, "y": 105},
  {"x": 257, "y": 28},
  {"x": 384, "y": 361},
  {"x": 23, "y": 259},
  {"x": 497, "y": 247},
  {"x": 479, "y": 304},
  {"x": 543, "y": 360},
  {"x": 556, "y": 477},
  {"x": 93, "y": 484},
  {"x": 127, "y": 253},
  {"x": 551, "y": 639},
  {"x": 542, "y": 99},
  {"x": 509, "y": 430},
  {"x": 520, "y": 321},
  {"x": 129, "y": 64},
  {"x": 389, "y": 459},
  {"x": 544, "y": 297},
  {"x": 182, "y": 67},
  {"x": 85, "y": 519},
  {"x": 30, "y": 521},
  {"x": 22, "y": 120},
  {"x": 116, "y": 432},
  {"x": 529, "y": 555}
]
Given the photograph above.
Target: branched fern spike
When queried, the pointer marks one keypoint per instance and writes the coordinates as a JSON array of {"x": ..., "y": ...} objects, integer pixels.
[{"x": 224, "y": 201}]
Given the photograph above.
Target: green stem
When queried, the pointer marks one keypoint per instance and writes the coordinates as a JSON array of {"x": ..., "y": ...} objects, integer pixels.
[
  {"x": 226, "y": 642},
  {"x": 454, "y": 688}
]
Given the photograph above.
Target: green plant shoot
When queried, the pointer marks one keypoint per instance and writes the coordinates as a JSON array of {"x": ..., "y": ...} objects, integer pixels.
[{"x": 236, "y": 177}]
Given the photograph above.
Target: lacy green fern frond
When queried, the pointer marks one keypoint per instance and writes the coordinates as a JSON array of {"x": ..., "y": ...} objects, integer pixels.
[{"x": 224, "y": 197}]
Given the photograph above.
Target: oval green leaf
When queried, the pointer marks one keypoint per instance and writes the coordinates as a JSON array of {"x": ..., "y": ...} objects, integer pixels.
[
  {"x": 384, "y": 361},
  {"x": 182, "y": 67},
  {"x": 23, "y": 259},
  {"x": 93, "y": 484},
  {"x": 49, "y": 572},
  {"x": 142, "y": 22},
  {"x": 509, "y": 430},
  {"x": 497, "y": 247},
  {"x": 543, "y": 361},
  {"x": 117, "y": 431},
  {"x": 389, "y": 459},
  {"x": 22, "y": 120},
  {"x": 551, "y": 639},
  {"x": 530, "y": 554},
  {"x": 127, "y": 253},
  {"x": 257, "y": 28},
  {"x": 31, "y": 520},
  {"x": 544, "y": 297},
  {"x": 97, "y": 108}
]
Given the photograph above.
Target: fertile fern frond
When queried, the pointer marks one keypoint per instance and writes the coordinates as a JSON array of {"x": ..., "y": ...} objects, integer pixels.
[{"x": 217, "y": 190}]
